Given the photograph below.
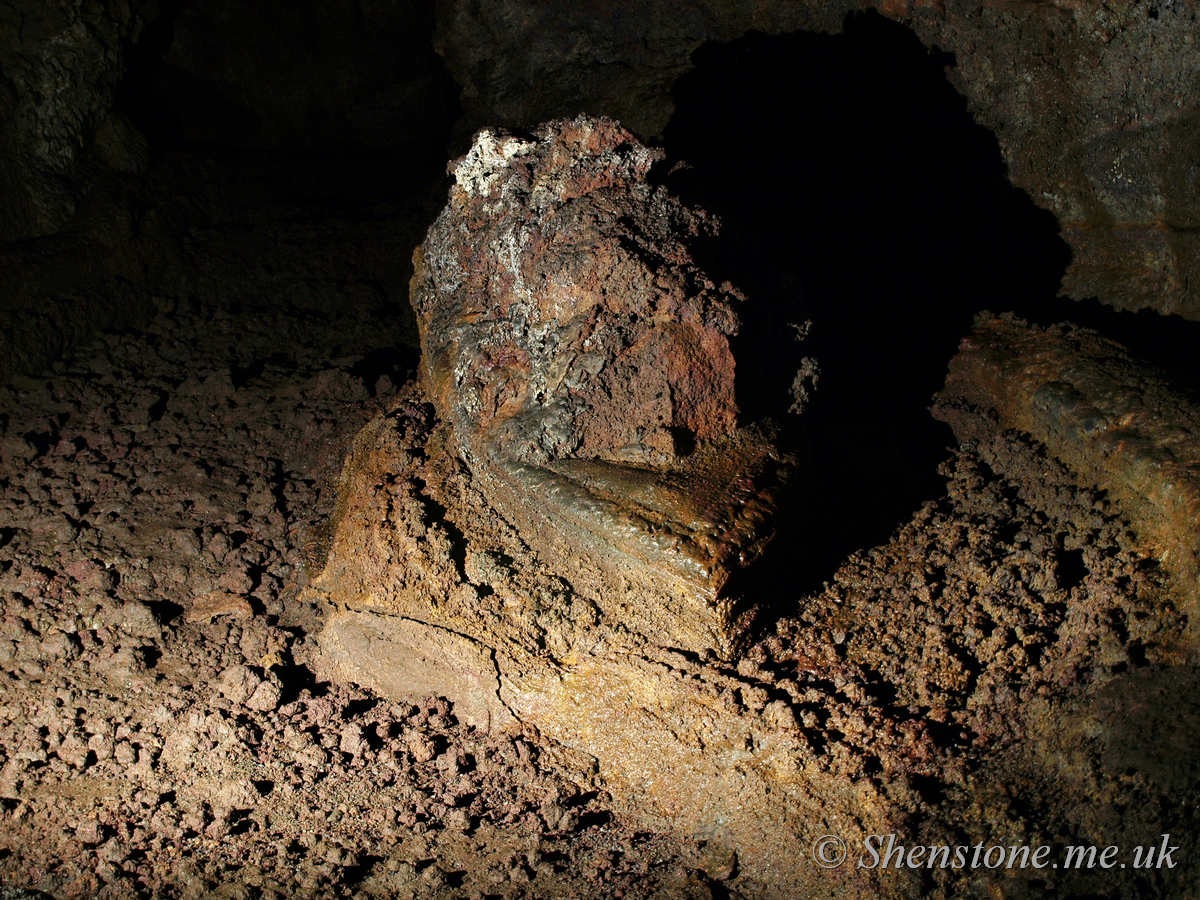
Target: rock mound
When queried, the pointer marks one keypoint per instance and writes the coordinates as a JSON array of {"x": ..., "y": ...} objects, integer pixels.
[{"x": 581, "y": 358}]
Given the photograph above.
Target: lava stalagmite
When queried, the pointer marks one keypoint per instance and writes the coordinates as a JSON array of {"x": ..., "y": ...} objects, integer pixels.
[
  {"x": 551, "y": 549},
  {"x": 582, "y": 359}
]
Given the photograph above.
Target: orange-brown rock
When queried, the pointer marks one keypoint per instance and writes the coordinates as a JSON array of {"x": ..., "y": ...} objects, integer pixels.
[
  {"x": 581, "y": 359},
  {"x": 546, "y": 543},
  {"x": 431, "y": 591},
  {"x": 1116, "y": 424}
]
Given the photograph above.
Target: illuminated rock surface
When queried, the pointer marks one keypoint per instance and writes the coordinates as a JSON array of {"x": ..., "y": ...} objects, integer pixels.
[
  {"x": 1116, "y": 424},
  {"x": 551, "y": 548},
  {"x": 430, "y": 589},
  {"x": 1109, "y": 153},
  {"x": 982, "y": 676},
  {"x": 581, "y": 359}
]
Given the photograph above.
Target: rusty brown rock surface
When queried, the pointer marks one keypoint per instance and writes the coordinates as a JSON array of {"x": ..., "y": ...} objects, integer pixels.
[
  {"x": 428, "y": 588},
  {"x": 898, "y": 700},
  {"x": 1113, "y": 422},
  {"x": 548, "y": 543},
  {"x": 1093, "y": 105},
  {"x": 581, "y": 359}
]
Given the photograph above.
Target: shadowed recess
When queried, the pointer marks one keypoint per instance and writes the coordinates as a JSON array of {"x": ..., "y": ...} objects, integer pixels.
[{"x": 848, "y": 168}]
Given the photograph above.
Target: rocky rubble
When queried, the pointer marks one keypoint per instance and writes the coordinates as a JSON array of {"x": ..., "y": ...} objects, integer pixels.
[
  {"x": 974, "y": 663},
  {"x": 948, "y": 676},
  {"x": 898, "y": 700},
  {"x": 1116, "y": 424}
]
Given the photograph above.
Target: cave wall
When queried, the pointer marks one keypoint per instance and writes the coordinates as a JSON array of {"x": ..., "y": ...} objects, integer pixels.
[
  {"x": 80, "y": 245},
  {"x": 125, "y": 124},
  {"x": 321, "y": 74},
  {"x": 1094, "y": 107},
  {"x": 278, "y": 75},
  {"x": 1094, "y": 104},
  {"x": 59, "y": 65}
]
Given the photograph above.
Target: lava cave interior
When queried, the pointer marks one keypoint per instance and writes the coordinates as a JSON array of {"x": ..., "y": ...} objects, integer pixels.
[{"x": 290, "y": 168}]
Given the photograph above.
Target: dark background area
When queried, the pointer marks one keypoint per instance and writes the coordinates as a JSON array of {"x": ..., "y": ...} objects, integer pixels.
[
  {"x": 870, "y": 202},
  {"x": 322, "y": 99}
]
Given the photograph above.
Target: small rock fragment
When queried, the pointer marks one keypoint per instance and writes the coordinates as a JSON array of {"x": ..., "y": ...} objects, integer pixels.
[
  {"x": 718, "y": 862},
  {"x": 90, "y": 832},
  {"x": 102, "y": 745},
  {"x": 138, "y": 619},
  {"x": 219, "y": 603},
  {"x": 352, "y": 740},
  {"x": 238, "y": 684},
  {"x": 265, "y": 697},
  {"x": 420, "y": 746},
  {"x": 557, "y": 818}
]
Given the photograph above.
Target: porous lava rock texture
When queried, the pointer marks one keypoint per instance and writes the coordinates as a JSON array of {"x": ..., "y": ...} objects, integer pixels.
[
  {"x": 426, "y": 588},
  {"x": 1116, "y": 424},
  {"x": 60, "y": 64},
  {"x": 1093, "y": 105},
  {"x": 1002, "y": 670},
  {"x": 547, "y": 545},
  {"x": 158, "y": 739},
  {"x": 582, "y": 360}
]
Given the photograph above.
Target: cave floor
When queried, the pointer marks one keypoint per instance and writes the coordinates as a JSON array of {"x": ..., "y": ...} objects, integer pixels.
[{"x": 161, "y": 506}]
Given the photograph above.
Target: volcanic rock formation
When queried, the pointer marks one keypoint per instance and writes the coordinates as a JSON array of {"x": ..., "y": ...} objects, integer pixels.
[
  {"x": 582, "y": 361},
  {"x": 428, "y": 589},
  {"x": 1115, "y": 423},
  {"x": 552, "y": 547}
]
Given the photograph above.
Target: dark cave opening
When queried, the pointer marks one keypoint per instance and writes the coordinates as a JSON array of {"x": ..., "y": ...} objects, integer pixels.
[{"x": 848, "y": 168}]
